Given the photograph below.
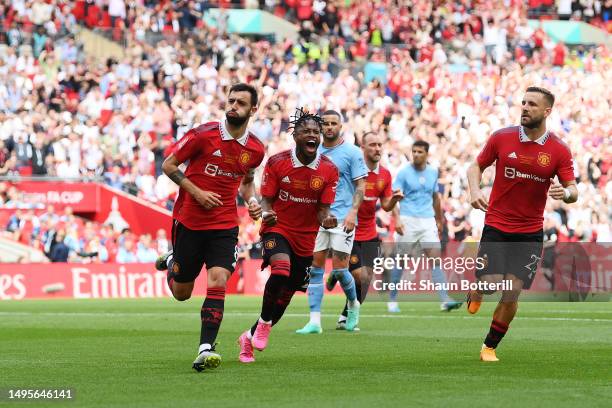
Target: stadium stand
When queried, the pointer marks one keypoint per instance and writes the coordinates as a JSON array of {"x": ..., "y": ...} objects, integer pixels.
[{"x": 456, "y": 76}]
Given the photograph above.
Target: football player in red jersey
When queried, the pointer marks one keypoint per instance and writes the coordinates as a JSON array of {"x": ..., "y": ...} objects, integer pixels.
[
  {"x": 222, "y": 157},
  {"x": 527, "y": 158},
  {"x": 298, "y": 187},
  {"x": 367, "y": 243}
]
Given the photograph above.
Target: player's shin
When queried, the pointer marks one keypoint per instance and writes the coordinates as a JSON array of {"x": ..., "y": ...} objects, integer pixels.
[
  {"x": 212, "y": 315},
  {"x": 315, "y": 294}
]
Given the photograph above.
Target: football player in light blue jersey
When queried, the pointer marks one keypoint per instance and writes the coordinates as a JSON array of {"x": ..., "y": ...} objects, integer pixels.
[
  {"x": 421, "y": 216},
  {"x": 349, "y": 196}
]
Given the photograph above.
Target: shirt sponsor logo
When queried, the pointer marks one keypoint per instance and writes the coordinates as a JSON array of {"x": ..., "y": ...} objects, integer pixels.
[
  {"x": 286, "y": 196},
  {"x": 214, "y": 170},
  {"x": 544, "y": 159},
  {"x": 511, "y": 173}
]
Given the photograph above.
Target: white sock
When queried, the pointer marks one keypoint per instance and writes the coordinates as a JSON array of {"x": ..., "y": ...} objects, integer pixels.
[
  {"x": 265, "y": 321},
  {"x": 342, "y": 318},
  {"x": 204, "y": 347},
  {"x": 315, "y": 318},
  {"x": 353, "y": 304},
  {"x": 249, "y": 335},
  {"x": 392, "y": 305}
]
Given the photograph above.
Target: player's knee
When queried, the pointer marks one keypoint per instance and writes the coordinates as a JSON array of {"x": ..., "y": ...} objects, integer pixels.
[
  {"x": 181, "y": 296},
  {"x": 217, "y": 277}
]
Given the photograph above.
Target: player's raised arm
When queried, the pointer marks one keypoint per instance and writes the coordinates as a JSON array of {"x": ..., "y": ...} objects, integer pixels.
[{"x": 207, "y": 199}]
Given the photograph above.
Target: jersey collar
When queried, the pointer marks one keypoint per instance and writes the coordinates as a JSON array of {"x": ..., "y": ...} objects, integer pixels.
[
  {"x": 523, "y": 137},
  {"x": 376, "y": 169},
  {"x": 297, "y": 163},
  {"x": 225, "y": 134}
]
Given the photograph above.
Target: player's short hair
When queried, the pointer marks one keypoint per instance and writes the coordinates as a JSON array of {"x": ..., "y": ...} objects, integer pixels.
[
  {"x": 421, "y": 143},
  {"x": 301, "y": 116},
  {"x": 550, "y": 98},
  {"x": 242, "y": 87},
  {"x": 368, "y": 133},
  {"x": 332, "y": 112}
]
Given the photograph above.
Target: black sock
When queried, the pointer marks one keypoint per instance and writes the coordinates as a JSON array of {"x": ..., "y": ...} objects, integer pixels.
[
  {"x": 360, "y": 296},
  {"x": 284, "y": 298},
  {"x": 283, "y": 301},
  {"x": 271, "y": 296},
  {"x": 496, "y": 333},
  {"x": 212, "y": 314}
]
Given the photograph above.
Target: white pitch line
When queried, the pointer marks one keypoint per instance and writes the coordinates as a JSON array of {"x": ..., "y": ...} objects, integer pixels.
[{"x": 241, "y": 314}]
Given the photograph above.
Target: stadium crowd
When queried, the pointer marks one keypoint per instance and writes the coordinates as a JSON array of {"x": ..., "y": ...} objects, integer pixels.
[{"x": 458, "y": 75}]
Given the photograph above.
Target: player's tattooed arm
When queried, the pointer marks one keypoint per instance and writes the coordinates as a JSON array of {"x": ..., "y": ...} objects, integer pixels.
[
  {"x": 207, "y": 199},
  {"x": 358, "y": 196},
  {"x": 326, "y": 219}
]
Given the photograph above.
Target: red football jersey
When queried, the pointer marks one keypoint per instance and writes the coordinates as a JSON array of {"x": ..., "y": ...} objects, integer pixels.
[
  {"x": 522, "y": 177},
  {"x": 378, "y": 185},
  {"x": 217, "y": 163},
  {"x": 297, "y": 191}
]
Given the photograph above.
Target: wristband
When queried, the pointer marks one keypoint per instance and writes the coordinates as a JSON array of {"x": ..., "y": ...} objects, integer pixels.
[
  {"x": 253, "y": 200},
  {"x": 566, "y": 194}
]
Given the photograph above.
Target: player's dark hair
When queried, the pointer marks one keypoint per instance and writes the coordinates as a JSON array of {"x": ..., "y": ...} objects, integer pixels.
[
  {"x": 421, "y": 143},
  {"x": 242, "y": 87},
  {"x": 550, "y": 98},
  {"x": 332, "y": 112},
  {"x": 301, "y": 116}
]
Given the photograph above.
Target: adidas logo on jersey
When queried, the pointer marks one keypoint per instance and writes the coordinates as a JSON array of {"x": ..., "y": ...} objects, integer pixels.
[
  {"x": 217, "y": 153},
  {"x": 512, "y": 155},
  {"x": 286, "y": 179}
]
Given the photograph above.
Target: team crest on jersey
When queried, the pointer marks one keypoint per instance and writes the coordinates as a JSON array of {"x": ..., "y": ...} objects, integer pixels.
[
  {"x": 316, "y": 182},
  {"x": 380, "y": 184},
  {"x": 244, "y": 157},
  {"x": 270, "y": 244},
  {"x": 543, "y": 159},
  {"x": 354, "y": 259}
]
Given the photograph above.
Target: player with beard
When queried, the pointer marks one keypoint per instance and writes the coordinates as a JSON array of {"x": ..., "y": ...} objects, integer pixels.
[
  {"x": 222, "y": 157},
  {"x": 367, "y": 242},
  {"x": 298, "y": 187},
  {"x": 349, "y": 196},
  {"x": 527, "y": 158}
]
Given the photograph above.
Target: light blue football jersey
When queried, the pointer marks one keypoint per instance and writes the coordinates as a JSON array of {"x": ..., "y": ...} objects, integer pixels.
[
  {"x": 418, "y": 188},
  {"x": 351, "y": 166}
]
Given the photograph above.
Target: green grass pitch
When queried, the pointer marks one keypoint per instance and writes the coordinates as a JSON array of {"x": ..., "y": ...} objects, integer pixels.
[{"x": 138, "y": 353}]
